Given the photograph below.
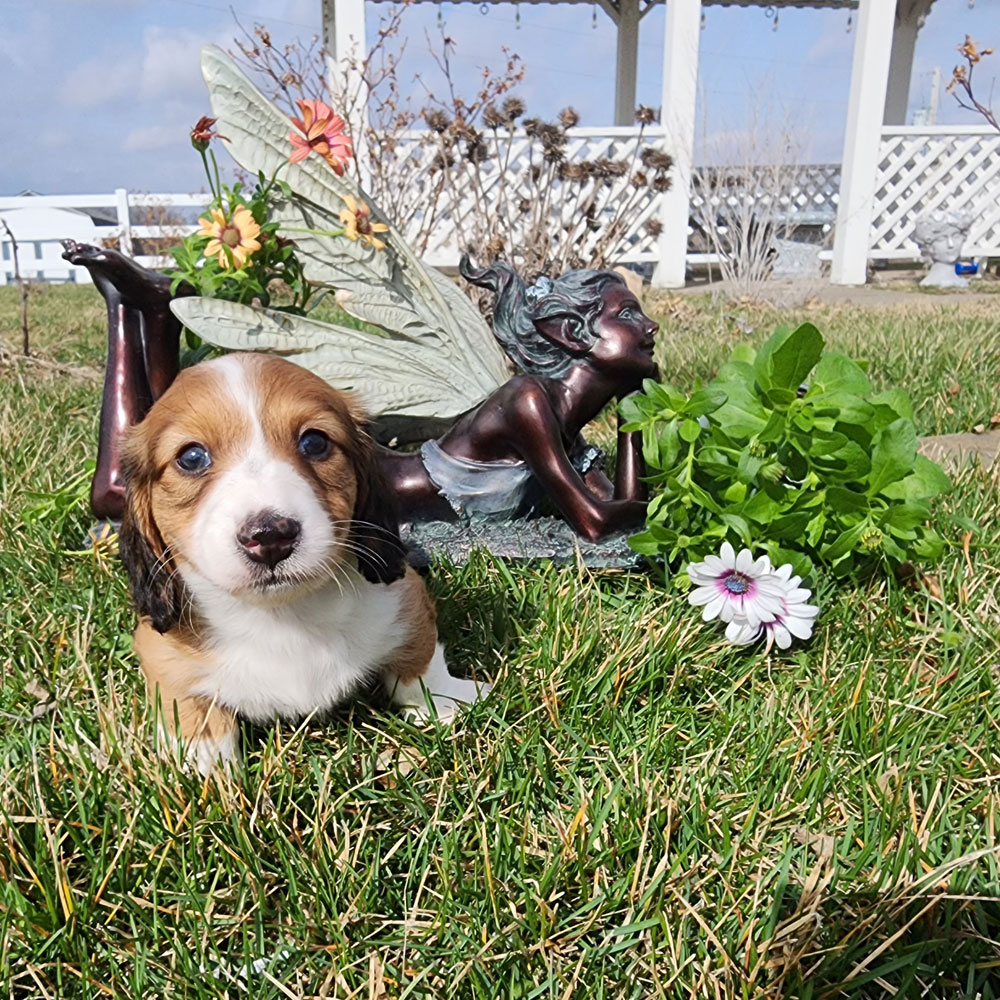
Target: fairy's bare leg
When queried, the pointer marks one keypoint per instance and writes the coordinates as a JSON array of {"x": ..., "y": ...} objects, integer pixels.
[
  {"x": 143, "y": 344},
  {"x": 418, "y": 496}
]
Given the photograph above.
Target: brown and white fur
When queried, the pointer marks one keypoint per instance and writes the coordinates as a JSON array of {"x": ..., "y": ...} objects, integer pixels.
[{"x": 266, "y": 565}]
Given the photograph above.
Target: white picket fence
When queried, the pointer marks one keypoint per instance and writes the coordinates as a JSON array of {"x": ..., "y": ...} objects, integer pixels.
[{"x": 40, "y": 222}]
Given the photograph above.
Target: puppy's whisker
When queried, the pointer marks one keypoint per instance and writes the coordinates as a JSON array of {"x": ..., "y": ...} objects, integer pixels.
[
  {"x": 363, "y": 550},
  {"x": 369, "y": 525},
  {"x": 339, "y": 576}
]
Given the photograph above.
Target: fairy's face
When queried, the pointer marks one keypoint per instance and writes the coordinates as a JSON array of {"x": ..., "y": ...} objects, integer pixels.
[{"x": 625, "y": 337}]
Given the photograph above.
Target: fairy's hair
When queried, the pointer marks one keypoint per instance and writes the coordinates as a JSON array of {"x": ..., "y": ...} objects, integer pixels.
[{"x": 576, "y": 298}]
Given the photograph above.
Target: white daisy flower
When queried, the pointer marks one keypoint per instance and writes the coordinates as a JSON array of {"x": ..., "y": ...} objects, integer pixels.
[
  {"x": 794, "y": 620},
  {"x": 736, "y": 587}
]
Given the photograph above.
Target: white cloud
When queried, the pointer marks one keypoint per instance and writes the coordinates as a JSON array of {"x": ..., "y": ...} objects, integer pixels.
[
  {"x": 100, "y": 80},
  {"x": 832, "y": 47},
  {"x": 150, "y": 137},
  {"x": 53, "y": 138},
  {"x": 168, "y": 67},
  {"x": 171, "y": 63}
]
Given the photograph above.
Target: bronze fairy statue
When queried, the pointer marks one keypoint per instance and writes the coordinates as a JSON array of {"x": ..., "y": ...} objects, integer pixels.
[
  {"x": 494, "y": 443},
  {"x": 580, "y": 340}
]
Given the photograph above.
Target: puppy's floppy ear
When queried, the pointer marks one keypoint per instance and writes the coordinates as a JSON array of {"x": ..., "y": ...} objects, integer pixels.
[
  {"x": 375, "y": 530},
  {"x": 157, "y": 590}
]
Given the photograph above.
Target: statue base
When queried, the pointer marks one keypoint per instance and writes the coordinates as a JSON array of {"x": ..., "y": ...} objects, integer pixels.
[
  {"x": 942, "y": 275},
  {"x": 519, "y": 541}
]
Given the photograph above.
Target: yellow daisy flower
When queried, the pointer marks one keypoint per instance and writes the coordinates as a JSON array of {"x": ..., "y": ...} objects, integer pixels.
[
  {"x": 239, "y": 234},
  {"x": 357, "y": 220}
]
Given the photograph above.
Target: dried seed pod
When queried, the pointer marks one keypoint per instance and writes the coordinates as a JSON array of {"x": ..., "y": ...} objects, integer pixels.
[
  {"x": 477, "y": 152},
  {"x": 441, "y": 161},
  {"x": 607, "y": 168},
  {"x": 568, "y": 117},
  {"x": 513, "y": 108},
  {"x": 492, "y": 118},
  {"x": 553, "y": 153},
  {"x": 571, "y": 172},
  {"x": 661, "y": 183},
  {"x": 654, "y": 227},
  {"x": 437, "y": 121},
  {"x": 656, "y": 159},
  {"x": 463, "y": 130},
  {"x": 645, "y": 115}
]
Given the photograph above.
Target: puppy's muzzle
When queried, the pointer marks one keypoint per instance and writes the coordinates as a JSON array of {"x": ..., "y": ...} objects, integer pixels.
[{"x": 268, "y": 539}]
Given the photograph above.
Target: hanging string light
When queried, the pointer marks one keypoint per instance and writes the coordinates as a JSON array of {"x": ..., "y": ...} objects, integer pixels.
[
  {"x": 703, "y": 20},
  {"x": 593, "y": 20},
  {"x": 440, "y": 17},
  {"x": 850, "y": 21},
  {"x": 517, "y": 16},
  {"x": 774, "y": 23}
]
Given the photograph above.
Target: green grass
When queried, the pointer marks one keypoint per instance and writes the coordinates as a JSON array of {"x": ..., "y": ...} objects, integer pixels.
[{"x": 636, "y": 811}]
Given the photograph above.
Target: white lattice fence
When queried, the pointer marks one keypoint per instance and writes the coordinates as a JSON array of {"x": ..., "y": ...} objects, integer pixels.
[
  {"x": 506, "y": 177},
  {"x": 788, "y": 196},
  {"x": 936, "y": 167}
]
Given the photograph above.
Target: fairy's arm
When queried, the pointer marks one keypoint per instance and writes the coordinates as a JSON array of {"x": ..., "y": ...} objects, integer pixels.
[
  {"x": 629, "y": 466},
  {"x": 534, "y": 432}
]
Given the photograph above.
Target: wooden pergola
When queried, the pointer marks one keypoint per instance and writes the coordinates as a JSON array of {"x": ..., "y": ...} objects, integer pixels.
[{"x": 879, "y": 92}]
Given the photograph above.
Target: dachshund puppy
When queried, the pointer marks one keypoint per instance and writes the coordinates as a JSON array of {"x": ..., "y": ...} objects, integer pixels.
[{"x": 263, "y": 554}]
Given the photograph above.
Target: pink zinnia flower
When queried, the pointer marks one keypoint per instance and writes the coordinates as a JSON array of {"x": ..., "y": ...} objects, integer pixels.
[{"x": 322, "y": 131}]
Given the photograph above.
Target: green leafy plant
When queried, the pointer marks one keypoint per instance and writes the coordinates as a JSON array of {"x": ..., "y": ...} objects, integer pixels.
[
  {"x": 788, "y": 451},
  {"x": 224, "y": 277}
]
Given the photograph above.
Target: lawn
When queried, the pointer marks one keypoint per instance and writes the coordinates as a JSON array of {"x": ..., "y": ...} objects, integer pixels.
[{"x": 636, "y": 811}]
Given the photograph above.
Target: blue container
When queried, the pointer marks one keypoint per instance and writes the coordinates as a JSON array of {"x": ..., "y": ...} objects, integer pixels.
[{"x": 971, "y": 268}]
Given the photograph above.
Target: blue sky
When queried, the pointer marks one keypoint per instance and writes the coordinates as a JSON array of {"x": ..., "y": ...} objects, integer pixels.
[{"x": 100, "y": 94}]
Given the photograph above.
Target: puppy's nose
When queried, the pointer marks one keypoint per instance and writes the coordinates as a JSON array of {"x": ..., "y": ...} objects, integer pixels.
[{"x": 268, "y": 539}]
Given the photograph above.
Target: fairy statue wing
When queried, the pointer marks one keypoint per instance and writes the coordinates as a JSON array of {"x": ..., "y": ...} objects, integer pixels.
[
  {"x": 438, "y": 357},
  {"x": 391, "y": 378}
]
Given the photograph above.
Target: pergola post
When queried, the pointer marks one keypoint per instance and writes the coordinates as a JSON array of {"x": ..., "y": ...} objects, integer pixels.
[
  {"x": 904, "y": 41},
  {"x": 625, "y": 65},
  {"x": 344, "y": 42},
  {"x": 869, "y": 79},
  {"x": 680, "y": 86}
]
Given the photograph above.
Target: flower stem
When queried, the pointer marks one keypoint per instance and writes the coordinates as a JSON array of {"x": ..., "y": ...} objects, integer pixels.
[
  {"x": 208, "y": 173},
  {"x": 314, "y": 232},
  {"x": 215, "y": 166}
]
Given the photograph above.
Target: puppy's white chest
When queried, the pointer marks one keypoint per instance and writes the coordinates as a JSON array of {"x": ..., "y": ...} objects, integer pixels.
[{"x": 303, "y": 657}]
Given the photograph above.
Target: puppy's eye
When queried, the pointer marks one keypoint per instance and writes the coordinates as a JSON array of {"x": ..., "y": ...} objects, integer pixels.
[
  {"x": 193, "y": 458},
  {"x": 315, "y": 445}
]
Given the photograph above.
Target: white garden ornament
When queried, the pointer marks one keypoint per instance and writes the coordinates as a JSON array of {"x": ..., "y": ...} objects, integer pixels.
[{"x": 941, "y": 236}]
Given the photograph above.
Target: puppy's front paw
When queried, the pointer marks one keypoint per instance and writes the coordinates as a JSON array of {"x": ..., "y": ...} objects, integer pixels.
[
  {"x": 202, "y": 754},
  {"x": 205, "y": 755},
  {"x": 444, "y": 707}
]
